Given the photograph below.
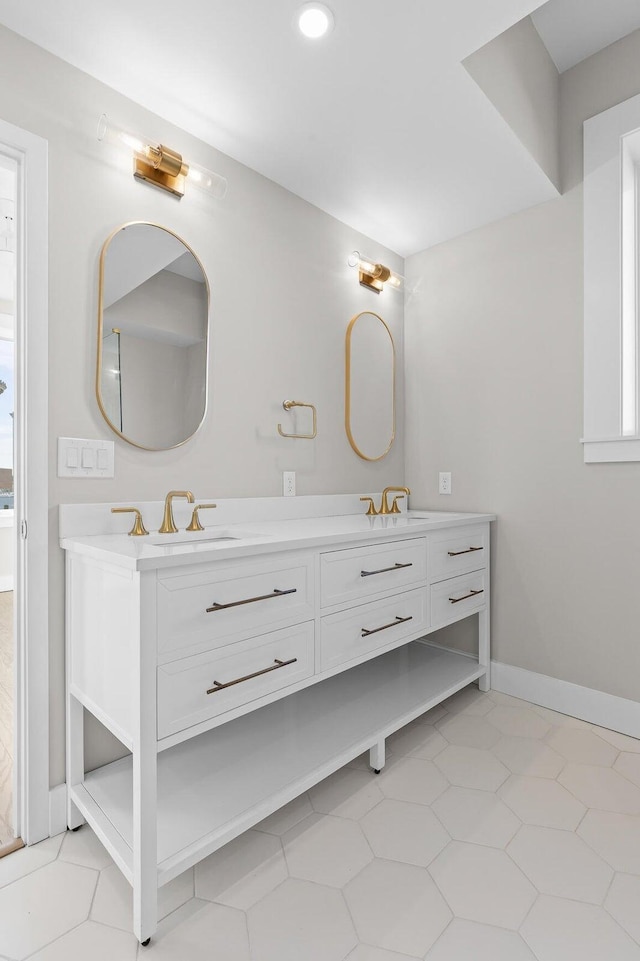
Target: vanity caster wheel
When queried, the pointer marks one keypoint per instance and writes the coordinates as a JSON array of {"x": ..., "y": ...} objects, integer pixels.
[
  {"x": 145, "y": 943},
  {"x": 377, "y": 770},
  {"x": 76, "y": 829}
]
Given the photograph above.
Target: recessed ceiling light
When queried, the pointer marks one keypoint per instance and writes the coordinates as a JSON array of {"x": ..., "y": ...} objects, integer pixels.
[{"x": 314, "y": 20}]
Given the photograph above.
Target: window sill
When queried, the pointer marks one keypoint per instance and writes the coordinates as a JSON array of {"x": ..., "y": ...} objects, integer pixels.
[{"x": 611, "y": 450}]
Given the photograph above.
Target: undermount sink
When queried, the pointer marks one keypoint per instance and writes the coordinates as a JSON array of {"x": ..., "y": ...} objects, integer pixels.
[{"x": 197, "y": 537}]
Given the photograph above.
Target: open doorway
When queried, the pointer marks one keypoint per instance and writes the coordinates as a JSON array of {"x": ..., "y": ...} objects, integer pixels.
[{"x": 8, "y": 185}]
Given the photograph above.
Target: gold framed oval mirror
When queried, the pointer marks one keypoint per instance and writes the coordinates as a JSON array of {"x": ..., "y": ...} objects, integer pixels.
[
  {"x": 370, "y": 386},
  {"x": 153, "y": 336}
]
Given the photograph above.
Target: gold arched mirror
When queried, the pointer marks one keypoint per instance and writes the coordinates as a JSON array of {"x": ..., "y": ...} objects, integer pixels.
[
  {"x": 370, "y": 386},
  {"x": 153, "y": 333}
]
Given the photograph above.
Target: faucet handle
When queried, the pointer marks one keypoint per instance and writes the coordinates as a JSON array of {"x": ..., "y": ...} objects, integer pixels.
[
  {"x": 371, "y": 512},
  {"x": 394, "y": 507},
  {"x": 195, "y": 524},
  {"x": 138, "y": 528}
]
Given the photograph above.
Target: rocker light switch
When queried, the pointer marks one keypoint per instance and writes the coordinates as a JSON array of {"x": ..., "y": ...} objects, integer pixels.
[{"x": 79, "y": 457}]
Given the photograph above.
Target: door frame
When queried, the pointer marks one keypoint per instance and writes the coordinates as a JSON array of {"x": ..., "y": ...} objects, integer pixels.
[{"x": 31, "y": 489}]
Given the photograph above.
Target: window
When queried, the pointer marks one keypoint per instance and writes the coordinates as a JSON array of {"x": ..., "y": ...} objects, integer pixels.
[{"x": 611, "y": 272}]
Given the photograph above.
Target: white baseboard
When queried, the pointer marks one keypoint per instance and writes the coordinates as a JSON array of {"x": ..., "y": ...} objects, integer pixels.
[
  {"x": 6, "y": 583},
  {"x": 57, "y": 809},
  {"x": 596, "y": 707}
]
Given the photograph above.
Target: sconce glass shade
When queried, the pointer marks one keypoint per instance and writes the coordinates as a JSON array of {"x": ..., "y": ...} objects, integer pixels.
[
  {"x": 164, "y": 166},
  {"x": 373, "y": 275}
]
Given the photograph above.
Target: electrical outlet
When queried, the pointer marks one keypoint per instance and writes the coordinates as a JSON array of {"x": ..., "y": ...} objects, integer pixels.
[
  {"x": 444, "y": 482},
  {"x": 288, "y": 483}
]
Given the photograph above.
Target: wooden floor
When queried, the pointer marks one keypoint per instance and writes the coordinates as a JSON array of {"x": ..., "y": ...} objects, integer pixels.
[{"x": 6, "y": 714}]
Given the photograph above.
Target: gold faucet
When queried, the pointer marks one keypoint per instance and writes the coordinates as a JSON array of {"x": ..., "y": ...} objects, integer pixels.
[
  {"x": 394, "y": 509},
  {"x": 168, "y": 525}
]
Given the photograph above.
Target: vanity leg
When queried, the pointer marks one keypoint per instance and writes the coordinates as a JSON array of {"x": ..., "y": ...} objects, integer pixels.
[
  {"x": 377, "y": 756},
  {"x": 75, "y": 757},
  {"x": 145, "y": 872},
  {"x": 484, "y": 652},
  {"x": 145, "y": 778}
]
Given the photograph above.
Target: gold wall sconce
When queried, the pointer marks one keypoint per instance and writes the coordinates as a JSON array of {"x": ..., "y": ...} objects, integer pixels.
[
  {"x": 374, "y": 276},
  {"x": 160, "y": 165}
]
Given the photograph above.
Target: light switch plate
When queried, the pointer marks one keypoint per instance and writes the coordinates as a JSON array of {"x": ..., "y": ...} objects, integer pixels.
[{"x": 79, "y": 457}]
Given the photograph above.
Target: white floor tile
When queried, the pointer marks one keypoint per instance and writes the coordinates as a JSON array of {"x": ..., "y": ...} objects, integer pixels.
[
  {"x": 43, "y": 906},
  {"x": 601, "y": 788},
  {"x": 365, "y": 952},
  {"x": 629, "y": 766},
  {"x": 326, "y": 850},
  {"x": 476, "y": 816},
  {"x": 561, "y": 864},
  {"x": 400, "y": 831},
  {"x": 346, "y": 794},
  {"x": 543, "y": 802},
  {"x": 209, "y": 931},
  {"x": 471, "y": 767},
  {"x": 561, "y": 930},
  {"x": 470, "y": 941},
  {"x": 582, "y": 746},
  {"x": 412, "y": 779},
  {"x": 529, "y": 756},
  {"x": 243, "y": 871},
  {"x": 468, "y": 731},
  {"x": 468, "y": 701},
  {"x": 27, "y": 860},
  {"x": 283, "y": 820},
  {"x": 417, "y": 740},
  {"x": 299, "y": 920},
  {"x": 90, "y": 940},
  {"x": 623, "y": 903},
  {"x": 397, "y": 907},
  {"x": 113, "y": 902},
  {"x": 483, "y": 884},
  {"x": 620, "y": 741},
  {"x": 83, "y": 847},
  {"x": 518, "y": 722},
  {"x": 615, "y": 837}
]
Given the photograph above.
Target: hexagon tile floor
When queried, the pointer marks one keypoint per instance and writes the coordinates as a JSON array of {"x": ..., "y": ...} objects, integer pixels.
[{"x": 498, "y": 831}]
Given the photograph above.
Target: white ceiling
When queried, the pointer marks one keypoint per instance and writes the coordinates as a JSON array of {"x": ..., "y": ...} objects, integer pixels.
[
  {"x": 378, "y": 124},
  {"x": 573, "y": 30}
]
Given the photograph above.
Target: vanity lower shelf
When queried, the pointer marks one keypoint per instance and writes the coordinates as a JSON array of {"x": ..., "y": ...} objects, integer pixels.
[{"x": 213, "y": 787}]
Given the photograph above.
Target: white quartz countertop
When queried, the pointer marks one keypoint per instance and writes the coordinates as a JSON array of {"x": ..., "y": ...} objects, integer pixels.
[{"x": 220, "y": 542}]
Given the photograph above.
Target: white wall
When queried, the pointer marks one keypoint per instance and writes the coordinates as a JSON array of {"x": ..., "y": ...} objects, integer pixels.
[
  {"x": 494, "y": 394},
  {"x": 281, "y": 296}
]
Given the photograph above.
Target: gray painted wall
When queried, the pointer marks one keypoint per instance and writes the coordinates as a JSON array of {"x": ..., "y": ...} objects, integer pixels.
[
  {"x": 281, "y": 297},
  {"x": 494, "y": 394},
  {"x": 517, "y": 74}
]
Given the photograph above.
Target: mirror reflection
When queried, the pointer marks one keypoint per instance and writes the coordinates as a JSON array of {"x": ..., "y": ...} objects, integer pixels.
[
  {"x": 370, "y": 411},
  {"x": 152, "y": 337}
]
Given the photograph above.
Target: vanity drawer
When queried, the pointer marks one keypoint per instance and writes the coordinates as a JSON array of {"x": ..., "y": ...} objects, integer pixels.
[
  {"x": 275, "y": 660},
  {"x": 366, "y": 571},
  {"x": 356, "y": 632},
  {"x": 452, "y": 600},
  {"x": 457, "y": 551},
  {"x": 203, "y": 610}
]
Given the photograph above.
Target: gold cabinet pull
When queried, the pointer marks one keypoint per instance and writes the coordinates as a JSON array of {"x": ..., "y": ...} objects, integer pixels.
[
  {"x": 138, "y": 528},
  {"x": 385, "y": 627},
  {"x": 385, "y": 570},
  {"x": 469, "y": 550},
  {"x": 277, "y": 664},
  {"x": 456, "y": 600},
  {"x": 251, "y": 600}
]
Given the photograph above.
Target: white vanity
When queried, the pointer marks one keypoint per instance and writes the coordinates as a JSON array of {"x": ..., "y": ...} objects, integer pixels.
[{"x": 245, "y": 663}]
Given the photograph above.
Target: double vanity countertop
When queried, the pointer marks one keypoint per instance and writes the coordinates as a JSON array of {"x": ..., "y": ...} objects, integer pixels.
[{"x": 223, "y": 541}]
